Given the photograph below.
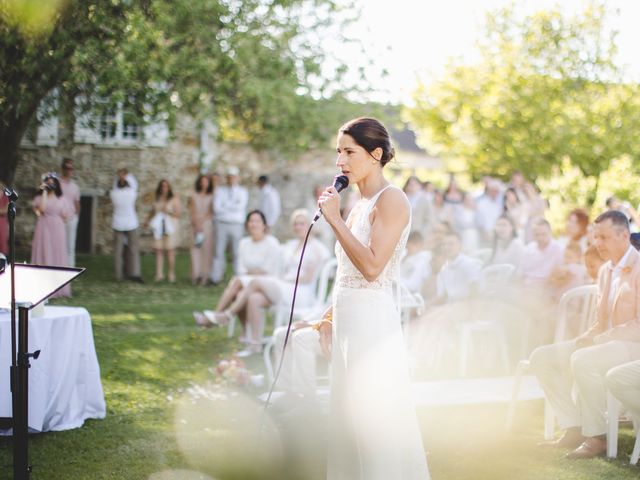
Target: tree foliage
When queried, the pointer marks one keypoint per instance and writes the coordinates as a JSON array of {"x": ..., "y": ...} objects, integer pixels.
[
  {"x": 546, "y": 89},
  {"x": 248, "y": 64}
]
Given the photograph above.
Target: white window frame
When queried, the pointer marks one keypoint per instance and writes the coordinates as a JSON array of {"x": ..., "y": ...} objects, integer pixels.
[{"x": 119, "y": 136}]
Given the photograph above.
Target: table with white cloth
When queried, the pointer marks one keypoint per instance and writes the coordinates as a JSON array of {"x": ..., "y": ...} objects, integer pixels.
[{"x": 64, "y": 382}]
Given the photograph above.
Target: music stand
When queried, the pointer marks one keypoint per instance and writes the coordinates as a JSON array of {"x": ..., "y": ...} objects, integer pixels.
[{"x": 33, "y": 284}]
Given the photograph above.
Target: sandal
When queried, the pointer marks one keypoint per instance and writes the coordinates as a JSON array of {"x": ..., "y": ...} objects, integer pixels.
[
  {"x": 252, "y": 349},
  {"x": 219, "y": 318},
  {"x": 202, "y": 320}
]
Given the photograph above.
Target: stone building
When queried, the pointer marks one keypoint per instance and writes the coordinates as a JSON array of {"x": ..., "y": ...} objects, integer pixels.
[{"x": 152, "y": 153}]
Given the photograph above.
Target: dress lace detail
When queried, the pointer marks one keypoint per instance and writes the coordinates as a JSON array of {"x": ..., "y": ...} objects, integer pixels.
[{"x": 348, "y": 276}]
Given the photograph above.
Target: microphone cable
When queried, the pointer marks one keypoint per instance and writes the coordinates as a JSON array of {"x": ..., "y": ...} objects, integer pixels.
[{"x": 286, "y": 338}]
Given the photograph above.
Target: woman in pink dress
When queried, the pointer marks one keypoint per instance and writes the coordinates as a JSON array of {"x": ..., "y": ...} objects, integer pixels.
[{"x": 49, "y": 246}]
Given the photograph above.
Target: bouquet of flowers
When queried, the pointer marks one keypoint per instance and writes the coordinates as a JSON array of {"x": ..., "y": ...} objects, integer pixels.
[{"x": 232, "y": 372}]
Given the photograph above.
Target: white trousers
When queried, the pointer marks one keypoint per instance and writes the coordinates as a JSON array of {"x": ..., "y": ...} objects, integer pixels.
[
  {"x": 226, "y": 234},
  {"x": 564, "y": 370},
  {"x": 624, "y": 383},
  {"x": 71, "y": 226},
  {"x": 298, "y": 373}
]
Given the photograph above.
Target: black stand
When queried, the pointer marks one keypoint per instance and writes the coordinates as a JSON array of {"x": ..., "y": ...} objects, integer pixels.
[
  {"x": 20, "y": 397},
  {"x": 37, "y": 283}
]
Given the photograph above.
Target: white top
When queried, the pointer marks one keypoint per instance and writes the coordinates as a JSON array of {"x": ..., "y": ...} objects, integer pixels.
[
  {"x": 348, "y": 275},
  {"x": 71, "y": 193},
  {"x": 487, "y": 212},
  {"x": 270, "y": 204},
  {"x": 415, "y": 269},
  {"x": 230, "y": 204},
  {"x": 314, "y": 257},
  {"x": 511, "y": 255},
  {"x": 262, "y": 255},
  {"x": 536, "y": 265},
  {"x": 124, "y": 209},
  {"x": 457, "y": 276}
]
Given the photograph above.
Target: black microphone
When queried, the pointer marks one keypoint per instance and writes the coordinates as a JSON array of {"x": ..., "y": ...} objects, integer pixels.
[
  {"x": 11, "y": 194},
  {"x": 340, "y": 182}
]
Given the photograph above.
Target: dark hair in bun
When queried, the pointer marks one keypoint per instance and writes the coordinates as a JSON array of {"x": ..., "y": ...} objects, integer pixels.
[{"x": 370, "y": 134}]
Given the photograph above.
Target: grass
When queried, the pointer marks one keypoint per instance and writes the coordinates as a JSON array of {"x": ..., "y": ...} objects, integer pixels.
[{"x": 151, "y": 353}]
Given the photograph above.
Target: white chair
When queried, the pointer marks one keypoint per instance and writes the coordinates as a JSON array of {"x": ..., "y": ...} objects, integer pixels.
[
  {"x": 581, "y": 300},
  {"x": 491, "y": 279},
  {"x": 407, "y": 302},
  {"x": 325, "y": 277},
  {"x": 613, "y": 420},
  {"x": 491, "y": 328},
  {"x": 281, "y": 316}
]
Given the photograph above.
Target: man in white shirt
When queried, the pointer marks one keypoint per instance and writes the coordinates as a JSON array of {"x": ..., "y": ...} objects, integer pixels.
[
  {"x": 489, "y": 206},
  {"x": 71, "y": 193},
  {"x": 230, "y": 210},
  {"x": 573, "y": 373},
  {"x": 540, "y": 256},
  {"x": 415, "y": 266},
  {"x": 125, "y": 225},
  {"x": 269, "y": 201},
  {"x": 459, "y": 274}
]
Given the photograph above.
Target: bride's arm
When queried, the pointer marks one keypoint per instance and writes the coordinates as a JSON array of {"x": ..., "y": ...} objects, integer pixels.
[{"x": 390, "y": 216}]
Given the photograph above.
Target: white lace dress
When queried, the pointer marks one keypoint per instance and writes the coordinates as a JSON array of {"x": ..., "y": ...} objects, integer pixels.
[{"x": 374, "y": 433}]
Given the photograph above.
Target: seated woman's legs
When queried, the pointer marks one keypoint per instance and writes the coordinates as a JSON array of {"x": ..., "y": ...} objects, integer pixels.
[{"x": 229, "y": 295}]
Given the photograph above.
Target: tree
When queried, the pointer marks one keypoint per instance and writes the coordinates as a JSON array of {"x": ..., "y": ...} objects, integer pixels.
[
  {"x": 248, "y": 64},
  {"x": 546, "y": 89}
]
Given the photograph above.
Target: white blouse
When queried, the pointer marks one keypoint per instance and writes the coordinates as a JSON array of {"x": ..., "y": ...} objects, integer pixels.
[{"x": 264, "y": 255}]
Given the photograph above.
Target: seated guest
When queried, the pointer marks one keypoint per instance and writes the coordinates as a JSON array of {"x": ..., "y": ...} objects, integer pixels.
[
  {"x": 489, "y": 207},
  {"x": 576, "y": 229},
  {"x": 415, "y": 267},
  {"x": 298, "y": 374},
  {"x": 507, "y": 247},
  {"x": 572, "y": 273},
  {"x": 258, "y": 254},
  {"x": 264, "y": 291},
  {"x": 464, "y": 216},
  {"x": 581, "y": 365},
  {"x": 592, "y": 262},
  {"x": 434, "y": 244},
  {"x": 421, "y": 214},
  {"x": 434, "y": 335},
  {"x": 458, "y": 275},
  {"x": 517, "y": 211},
  {"x": 540, "y": 256}
]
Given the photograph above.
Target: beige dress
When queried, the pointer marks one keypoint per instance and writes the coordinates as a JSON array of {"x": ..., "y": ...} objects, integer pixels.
[
  {"x": 165, "y": 224},
  {"x": 201, "y": 235}
]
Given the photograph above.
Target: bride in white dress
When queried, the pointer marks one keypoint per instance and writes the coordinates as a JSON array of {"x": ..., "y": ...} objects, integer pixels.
[{"x": 374, "y": 433}]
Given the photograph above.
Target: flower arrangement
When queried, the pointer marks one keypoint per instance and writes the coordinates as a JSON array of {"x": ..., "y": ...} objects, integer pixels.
[{"x": 232, "y": 372}]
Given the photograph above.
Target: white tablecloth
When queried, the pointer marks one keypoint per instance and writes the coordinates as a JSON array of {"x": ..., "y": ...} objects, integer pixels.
[{"x": 64, "y": 382}]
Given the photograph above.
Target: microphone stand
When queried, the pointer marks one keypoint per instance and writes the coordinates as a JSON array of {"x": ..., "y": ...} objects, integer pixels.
[{"x": 20, "y": 362}]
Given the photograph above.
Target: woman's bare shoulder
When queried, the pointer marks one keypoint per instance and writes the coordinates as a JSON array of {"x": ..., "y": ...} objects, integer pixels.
[{"x": 393, "y": 199}]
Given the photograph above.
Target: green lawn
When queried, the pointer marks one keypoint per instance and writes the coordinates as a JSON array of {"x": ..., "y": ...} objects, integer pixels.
[{"x": 153, "y": 359}]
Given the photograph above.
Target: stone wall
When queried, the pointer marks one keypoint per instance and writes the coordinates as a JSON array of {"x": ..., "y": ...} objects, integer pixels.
[{"x": 178, "y": 162}]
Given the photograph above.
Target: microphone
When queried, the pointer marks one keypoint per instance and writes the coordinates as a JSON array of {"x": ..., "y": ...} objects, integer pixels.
[
  {"x": 340, "y": 182},
  {"x": 12, "y": 195}
]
